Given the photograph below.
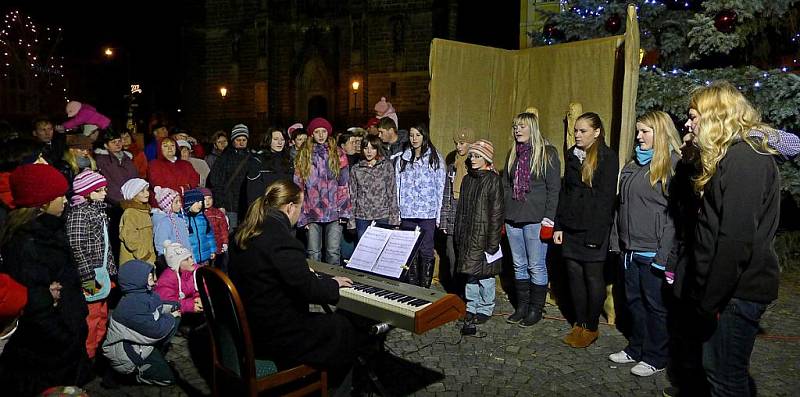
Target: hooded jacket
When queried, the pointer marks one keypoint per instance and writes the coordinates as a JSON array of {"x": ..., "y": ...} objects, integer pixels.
[
  {"x": 136, "y": 233},
  {"x": 178, "y": 175},
  {"x": 139, "y": 321}
]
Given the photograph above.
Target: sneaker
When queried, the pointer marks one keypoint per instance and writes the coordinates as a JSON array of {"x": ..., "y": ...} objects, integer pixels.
[
  {"x": 670, "y": 391},
  {"x": 469, "y": 328},
  {"x": 621, "y": 358},
  {"x": 482, "y": 318},
  {"x": 469, "y": 317},
  {"x": 644, "y": 369}
]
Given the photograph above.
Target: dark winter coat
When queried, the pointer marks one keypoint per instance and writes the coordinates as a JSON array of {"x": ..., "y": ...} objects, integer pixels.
[
  {"x": 585, "y": 213},
  {"x": 227, "y": 187},
  {"x": 734, "y": 254},
  {"x": 265, "y": 168},
  {"x": 276, "y": 287},
  {"x": 542, "y": 200},
  {"x": 479, "y": 223},
  {"x": 48, "y": 348}
]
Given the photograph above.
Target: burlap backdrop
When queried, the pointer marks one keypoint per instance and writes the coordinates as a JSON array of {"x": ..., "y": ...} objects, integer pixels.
[{"x": 484, "y": 88}]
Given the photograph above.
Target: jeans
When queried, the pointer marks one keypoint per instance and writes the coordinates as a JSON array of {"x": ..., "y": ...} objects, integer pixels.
[
  {"x": 726, "y": 356},
  {"x": 528, "y": 252},
  {"x": 588, "y": 289},
  {"x": 643, "y": 289},
  {"x": 333, "y": 237},
  {"x": 362, "y": 224},
  {"x": 480, "y": 295}
]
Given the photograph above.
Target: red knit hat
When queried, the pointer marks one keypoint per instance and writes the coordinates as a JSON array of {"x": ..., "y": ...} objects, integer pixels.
[
  {"x": 319, "y": 122},
  {"x": 13, "y": 297},
  {"x": 34, "y": 185}
]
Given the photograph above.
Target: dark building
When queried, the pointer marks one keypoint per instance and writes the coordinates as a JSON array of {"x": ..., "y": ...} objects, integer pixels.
[{"x": 283, "y": 61}]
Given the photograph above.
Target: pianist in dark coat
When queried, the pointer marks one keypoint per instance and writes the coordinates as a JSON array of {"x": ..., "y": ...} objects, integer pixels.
[{"x": 268, "y": 266}]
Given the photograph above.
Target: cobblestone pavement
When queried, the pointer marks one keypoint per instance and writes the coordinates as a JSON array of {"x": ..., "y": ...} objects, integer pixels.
[{"x": 514, "y": 361}]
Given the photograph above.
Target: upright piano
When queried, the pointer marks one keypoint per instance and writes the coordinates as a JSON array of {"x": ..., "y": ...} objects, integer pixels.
[{"x": 401, "y": 305}]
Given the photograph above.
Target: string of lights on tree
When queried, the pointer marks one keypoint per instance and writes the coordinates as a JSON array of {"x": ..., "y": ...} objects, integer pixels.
[{"x": 30, "y": 51}]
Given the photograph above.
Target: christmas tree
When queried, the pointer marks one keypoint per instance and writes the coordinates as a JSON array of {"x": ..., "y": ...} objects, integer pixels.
[{"x": 686, "y": 43}]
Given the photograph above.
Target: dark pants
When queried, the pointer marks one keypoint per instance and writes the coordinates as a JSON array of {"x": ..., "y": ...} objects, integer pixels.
[
  {"x": 726, "y": 356},
  {"x": 428, "y": 227},
  {"x": 687, "y": 330},
  {"x": 643, "y": 288},
  {"x": 588, "y": 289}
]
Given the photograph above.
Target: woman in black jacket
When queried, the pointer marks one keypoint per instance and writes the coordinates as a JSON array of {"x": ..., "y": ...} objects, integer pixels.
[
  {"x": 478, "y": 226},
  {"x": 583, "y": 221},
  {"x": 268, "y": 165},
  {"x": 268, "y": 266},
  {"x": 735, "y": 265},
  {"x": 48, "y": 348}
]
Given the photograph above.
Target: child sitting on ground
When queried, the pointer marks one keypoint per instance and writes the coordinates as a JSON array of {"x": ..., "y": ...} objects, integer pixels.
[
  {"x": 176, "y": 283},
  {"x": 141, "y": 327},
  {"x": 201, "y": 237}
]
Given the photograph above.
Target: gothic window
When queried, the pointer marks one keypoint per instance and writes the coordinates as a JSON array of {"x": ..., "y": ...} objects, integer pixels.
[
  {"x": 398, "y": 36},
  {"x": 236, "y": 46}
]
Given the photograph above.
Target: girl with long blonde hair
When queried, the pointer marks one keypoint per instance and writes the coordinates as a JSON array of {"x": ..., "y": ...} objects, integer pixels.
[
  {"x": 583, "y": 222},
  {"x": 532, "y": 181},
  {"x": 322, "y": 172},
  {"x": 645, "y": 234},
  {"x": 734, "y": 260}
]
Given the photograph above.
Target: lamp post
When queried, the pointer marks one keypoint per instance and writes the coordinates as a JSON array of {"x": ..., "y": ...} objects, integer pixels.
[
  {"x": 110, "y": 53},
  {"x": 223, "y": 92},
  {"x": 355, "y": 86}
]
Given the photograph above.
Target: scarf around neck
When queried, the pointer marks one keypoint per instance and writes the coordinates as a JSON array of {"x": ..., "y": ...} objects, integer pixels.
[
  {"x": 643, "y": 157},
  {"x": 522, "y": 176}
]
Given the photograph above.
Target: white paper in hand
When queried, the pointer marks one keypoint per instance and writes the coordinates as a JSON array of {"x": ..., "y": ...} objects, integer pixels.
[{"x": 493, "y": 257}]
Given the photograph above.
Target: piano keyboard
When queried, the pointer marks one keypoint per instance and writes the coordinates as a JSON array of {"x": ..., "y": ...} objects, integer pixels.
[{"x": 402, "y": 305}]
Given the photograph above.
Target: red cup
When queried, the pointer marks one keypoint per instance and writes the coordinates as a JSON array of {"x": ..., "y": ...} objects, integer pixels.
[{"x": 546, "y": 232}]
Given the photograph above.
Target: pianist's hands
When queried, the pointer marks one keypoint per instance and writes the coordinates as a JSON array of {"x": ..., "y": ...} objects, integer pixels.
[{"x": 343, "y": 282}]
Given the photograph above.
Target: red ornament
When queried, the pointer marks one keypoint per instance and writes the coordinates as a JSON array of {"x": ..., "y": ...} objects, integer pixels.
[
  {"x": 613, "y": 23},
  {"x": 550, "y": 31},
  {"x": 725, "y": 21}
]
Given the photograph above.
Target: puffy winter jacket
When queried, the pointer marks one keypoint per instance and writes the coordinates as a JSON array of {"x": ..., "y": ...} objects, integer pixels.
[
  {"x": 201, "y": 236},
  {"x": 479, "y": 223},
  {"x": 178, "y": 286},
  {"x": 136, "y": 233}
]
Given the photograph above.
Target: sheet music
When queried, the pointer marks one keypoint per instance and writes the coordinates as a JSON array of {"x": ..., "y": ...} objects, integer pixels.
[
  {"x": 396, "y": 253},
  {"x": 369, "y": 248},
  {"x": 493, "y": 257}
]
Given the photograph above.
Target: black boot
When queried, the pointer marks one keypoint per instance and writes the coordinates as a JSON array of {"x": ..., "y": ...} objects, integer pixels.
[
  {"x": 521, "y": 311},
  {"x": 412, "y": 273},
  {"x": 426, "y": 273},
  {"x": 538, "y": 294}
]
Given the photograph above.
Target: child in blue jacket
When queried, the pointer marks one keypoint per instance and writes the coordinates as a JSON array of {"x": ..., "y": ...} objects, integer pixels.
[{"x": 201, "y": 234}]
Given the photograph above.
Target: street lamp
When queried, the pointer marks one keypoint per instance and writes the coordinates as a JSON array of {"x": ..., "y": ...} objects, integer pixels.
[
  {"x": 223, "y": 92},
  {"x": 355, "y": 86},
  {"x": 109, "y": 52}
]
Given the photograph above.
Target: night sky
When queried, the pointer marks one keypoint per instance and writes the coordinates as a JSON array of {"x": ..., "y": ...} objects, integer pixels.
[{"x": 148, "y": 32}]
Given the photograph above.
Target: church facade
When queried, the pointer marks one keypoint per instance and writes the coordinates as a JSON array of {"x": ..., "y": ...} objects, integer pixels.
[{"x": 282, "y": 61}]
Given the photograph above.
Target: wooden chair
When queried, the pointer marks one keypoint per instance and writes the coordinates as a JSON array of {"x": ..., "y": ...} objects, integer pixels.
[{"x": 232, "y": 347}]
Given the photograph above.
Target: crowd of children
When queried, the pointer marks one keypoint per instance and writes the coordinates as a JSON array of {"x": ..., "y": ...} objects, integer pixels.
[{"x": 106, "y": 277}]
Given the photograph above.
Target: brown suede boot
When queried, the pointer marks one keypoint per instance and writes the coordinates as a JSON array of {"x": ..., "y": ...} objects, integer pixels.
[
  {"x": 585, "y": 338},
  {"x": 573, "y": 335}
]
